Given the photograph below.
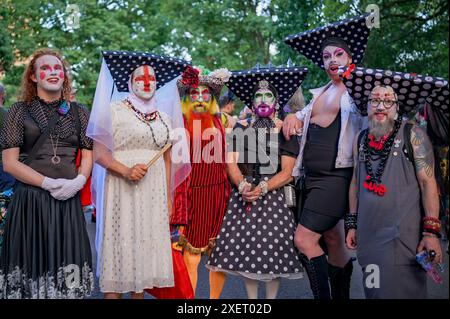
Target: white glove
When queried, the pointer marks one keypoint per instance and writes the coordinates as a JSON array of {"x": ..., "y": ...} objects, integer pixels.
[
  {"x": 69, "y": 187},
  {"x": 51, "y": 184}
]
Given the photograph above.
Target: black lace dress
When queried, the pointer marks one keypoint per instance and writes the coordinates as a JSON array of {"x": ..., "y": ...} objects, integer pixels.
[{"x": 46, "y": 251}]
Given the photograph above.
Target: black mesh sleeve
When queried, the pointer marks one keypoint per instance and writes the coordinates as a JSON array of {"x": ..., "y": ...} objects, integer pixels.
[{"x": 12, "y": 131}]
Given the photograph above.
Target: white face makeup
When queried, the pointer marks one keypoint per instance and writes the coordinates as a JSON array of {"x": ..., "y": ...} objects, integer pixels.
[
  {"x": 201, "y": 98},
  {"x": 49, "y": 73},
  {"x": 200, "y": 94},
  {"x": 264, "y": 103},
  {"x": 334, "y": 57},
  {"x": 264, "y": 96},
  {"x": 143, "y": 82}
]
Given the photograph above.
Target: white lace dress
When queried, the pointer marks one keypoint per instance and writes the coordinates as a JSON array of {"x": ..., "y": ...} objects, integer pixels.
[{"x": 136, "y": 250}]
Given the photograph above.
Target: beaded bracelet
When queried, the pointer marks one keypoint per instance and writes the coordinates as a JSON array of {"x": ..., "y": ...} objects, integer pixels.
[
  {"x": 432, "y": 225},
  {"x": 431, "y": 220},
  {"x": 264, "y": 188},
  {"x": 242, "y": 185}
]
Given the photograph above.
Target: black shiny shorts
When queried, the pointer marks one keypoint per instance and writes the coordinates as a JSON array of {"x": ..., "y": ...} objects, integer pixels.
[{"x": 317, "y": 223}]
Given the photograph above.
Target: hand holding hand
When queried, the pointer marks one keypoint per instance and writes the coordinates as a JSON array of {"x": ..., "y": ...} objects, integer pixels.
[
  {"x": 252, "y": 195},
  {"x": 50, "y": 184},
  {"x": 69, "y": 187}
]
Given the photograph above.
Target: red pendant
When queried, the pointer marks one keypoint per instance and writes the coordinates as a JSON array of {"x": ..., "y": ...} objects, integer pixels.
[{"x": 378, "y": 189}]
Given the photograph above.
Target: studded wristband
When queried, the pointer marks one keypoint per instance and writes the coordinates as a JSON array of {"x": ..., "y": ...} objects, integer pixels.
[{"x": 350, "y": 221}]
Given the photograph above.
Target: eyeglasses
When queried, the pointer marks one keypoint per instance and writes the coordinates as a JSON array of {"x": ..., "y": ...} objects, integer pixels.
[{"x": 386, "y": 103}]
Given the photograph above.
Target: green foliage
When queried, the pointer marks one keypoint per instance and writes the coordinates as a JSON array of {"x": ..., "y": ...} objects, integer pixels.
[{"x": 237, "y": 34}]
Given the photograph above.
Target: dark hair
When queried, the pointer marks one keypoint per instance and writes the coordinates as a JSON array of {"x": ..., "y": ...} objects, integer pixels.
[
  {"x": 226, "y": 98},
  {"x": 337, "y": 42}
]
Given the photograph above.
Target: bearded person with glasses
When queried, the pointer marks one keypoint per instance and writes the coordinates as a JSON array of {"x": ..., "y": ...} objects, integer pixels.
[{"x": 393, "y": 196}]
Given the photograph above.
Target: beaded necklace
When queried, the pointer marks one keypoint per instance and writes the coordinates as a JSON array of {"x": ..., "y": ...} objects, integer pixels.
[
  {"x": 373, "y": 180},
  {"x": 148, "y": 119}
]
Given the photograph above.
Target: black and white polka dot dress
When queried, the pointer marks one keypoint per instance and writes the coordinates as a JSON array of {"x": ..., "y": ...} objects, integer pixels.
[{"x": 258, "y": 243}]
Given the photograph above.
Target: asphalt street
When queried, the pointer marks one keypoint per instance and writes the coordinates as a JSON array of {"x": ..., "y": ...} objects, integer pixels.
[{"x": 289, "y": 289}]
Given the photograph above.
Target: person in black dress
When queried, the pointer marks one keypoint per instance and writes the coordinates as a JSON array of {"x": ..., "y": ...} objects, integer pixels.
[
  {"x": 46, "y": 251},
  {"x": 328, "y": 125}
]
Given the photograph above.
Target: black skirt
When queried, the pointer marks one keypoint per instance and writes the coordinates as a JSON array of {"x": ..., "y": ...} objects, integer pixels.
[{"x": 46, "y": 251}]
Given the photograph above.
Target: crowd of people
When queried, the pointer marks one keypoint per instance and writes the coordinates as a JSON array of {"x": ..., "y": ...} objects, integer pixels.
[{"x": 287, "y": 189}]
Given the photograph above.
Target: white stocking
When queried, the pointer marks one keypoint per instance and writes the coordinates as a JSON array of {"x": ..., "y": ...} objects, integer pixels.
[
  {"x": 272, "y": 288},
  {"x": 252, "y": 288}
]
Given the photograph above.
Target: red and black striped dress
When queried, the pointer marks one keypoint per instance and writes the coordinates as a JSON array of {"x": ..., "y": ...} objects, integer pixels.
[{"x": 205, "y": 193}]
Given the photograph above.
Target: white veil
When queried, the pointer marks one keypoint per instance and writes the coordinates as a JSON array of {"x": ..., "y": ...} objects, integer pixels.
[{"x": 100, "y": 130}]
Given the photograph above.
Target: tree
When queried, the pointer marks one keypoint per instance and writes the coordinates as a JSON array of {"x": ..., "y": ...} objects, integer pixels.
[{"x": 237, "y": 34}]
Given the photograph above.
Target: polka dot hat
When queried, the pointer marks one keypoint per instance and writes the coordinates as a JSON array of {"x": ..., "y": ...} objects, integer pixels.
[
  {"x": 122, "y": 63},
  {"x": 354, "y": 31},
  {"x": 440, "y": 100},
  {"x": 286, "y": 81},
  {"x": 412, "y": 89}
]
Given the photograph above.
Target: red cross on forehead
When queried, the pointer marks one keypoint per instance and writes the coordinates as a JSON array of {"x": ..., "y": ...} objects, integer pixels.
[{"x": 147, "y": 77}]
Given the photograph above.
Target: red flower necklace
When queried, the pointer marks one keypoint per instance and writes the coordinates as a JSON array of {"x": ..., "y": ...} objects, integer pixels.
[
  {"x": 380, "y": 150},
  {"x": 377, "y": 145}
]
